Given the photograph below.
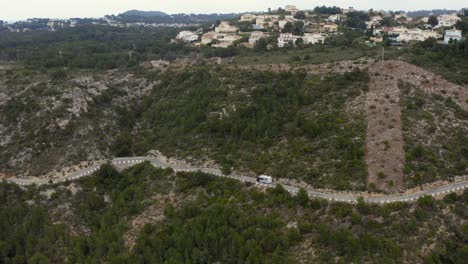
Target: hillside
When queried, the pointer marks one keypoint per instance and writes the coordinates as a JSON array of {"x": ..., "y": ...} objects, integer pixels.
[
  {"x": 122, "y": 144},
  {"x": 145, "y": 214},
  {"x": 49, "y": 121},
  {"x": 316, "y": 124},
  {"x": 274, "y": 126}
]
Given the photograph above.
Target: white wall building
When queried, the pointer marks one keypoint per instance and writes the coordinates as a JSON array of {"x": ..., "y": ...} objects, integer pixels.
[
  {"x": 314, "y": 38},
  {"x": 448, "y": 20},
  {"x": 187, "y": 36},
  {"x": 416, "y": 35},
  {"x": 453, "y": 34},
  {"x": 336, "y": 18},
  {"x": 287, "y": 39}
]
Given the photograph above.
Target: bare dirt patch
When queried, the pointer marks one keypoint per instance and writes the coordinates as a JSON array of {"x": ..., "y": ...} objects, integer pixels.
[{"x": 384, "y": 140}]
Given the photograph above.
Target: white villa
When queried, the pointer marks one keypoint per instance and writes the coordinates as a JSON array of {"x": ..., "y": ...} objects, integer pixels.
[
  {"x": 452, "y": 34},
  {"x": 187, "y": 36},
  {"x": 448, "y": 20},
  {"x": 314, "y": 38},
  {"x": 416, "y": 34},
  {"x": 336, "y": 18},
  {"x": 287, "y": 38}
]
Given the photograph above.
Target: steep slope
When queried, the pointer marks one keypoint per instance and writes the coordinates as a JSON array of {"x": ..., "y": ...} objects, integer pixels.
[
  {"x": 436, "y": 136},
  {"x": 48, "y": 121},
  {"x": 288, "y": 125}
]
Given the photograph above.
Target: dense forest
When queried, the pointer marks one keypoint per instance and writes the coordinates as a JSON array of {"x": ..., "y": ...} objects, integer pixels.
[
  {"x": 284, "y": 124},
  {"x": 100, "y": 47},
  {"x": 203, "y": 219},
  {"x": 134, "y": 16}
]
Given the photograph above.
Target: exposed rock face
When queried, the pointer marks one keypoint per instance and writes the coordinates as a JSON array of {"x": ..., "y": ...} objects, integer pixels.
[{"x": 48, "y": 124}]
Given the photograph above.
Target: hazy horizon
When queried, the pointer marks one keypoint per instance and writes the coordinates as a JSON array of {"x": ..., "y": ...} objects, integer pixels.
[{"x": 15, "y": 10}]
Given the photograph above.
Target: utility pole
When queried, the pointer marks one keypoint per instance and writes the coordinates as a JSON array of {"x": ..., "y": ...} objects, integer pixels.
[
  {"x": 383, "y": 56},
  {"x": 18, "y": 55}
]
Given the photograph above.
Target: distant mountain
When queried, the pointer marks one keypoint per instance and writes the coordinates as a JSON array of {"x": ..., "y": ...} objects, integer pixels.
[
  {"x": 436, "y": 12},
  {"x": 158, "y": 17},
  {"x": 138, "y": 13}
]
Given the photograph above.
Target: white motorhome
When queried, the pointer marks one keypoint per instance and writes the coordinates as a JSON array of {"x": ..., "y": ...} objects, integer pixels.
[{"x": 265, "y": 179}]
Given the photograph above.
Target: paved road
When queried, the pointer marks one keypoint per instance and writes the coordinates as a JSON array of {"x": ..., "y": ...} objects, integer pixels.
[{"x": 350, "y": 198}]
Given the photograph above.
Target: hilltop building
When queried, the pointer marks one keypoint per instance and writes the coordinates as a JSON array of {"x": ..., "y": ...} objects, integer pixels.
[{"x": 448, "y": 20}]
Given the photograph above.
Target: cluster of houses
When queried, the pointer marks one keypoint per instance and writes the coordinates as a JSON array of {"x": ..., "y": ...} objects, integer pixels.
[
  {"x": 223, "y": 36},
  {"x": 264, "y": 26},
  {"x": 402, "y": 33},
  {"x": 315, "y": 30}
]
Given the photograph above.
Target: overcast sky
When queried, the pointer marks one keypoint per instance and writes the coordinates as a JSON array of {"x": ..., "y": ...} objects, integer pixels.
[{"x": 21, "y": 9}]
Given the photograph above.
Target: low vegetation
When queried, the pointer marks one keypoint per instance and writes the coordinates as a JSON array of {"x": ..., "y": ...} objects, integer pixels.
[{"x": 435, "y": 132}]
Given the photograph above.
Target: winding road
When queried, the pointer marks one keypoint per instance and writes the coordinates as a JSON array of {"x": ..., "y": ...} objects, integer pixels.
[{"x": 349, "y": 198}]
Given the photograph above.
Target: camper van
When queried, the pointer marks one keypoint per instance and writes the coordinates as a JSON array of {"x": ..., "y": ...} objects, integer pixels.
[{"x": 265, "y": 179}]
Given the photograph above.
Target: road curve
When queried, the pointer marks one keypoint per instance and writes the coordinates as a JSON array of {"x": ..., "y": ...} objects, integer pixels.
[{"x": 349, "y": 198}]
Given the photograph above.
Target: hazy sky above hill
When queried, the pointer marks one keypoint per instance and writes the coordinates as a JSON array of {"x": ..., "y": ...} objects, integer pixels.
[{"x": 22, "y": 9}]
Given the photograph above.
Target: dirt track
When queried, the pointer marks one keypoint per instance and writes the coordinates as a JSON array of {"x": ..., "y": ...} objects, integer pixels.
[{"x": 385, "y": 156}]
